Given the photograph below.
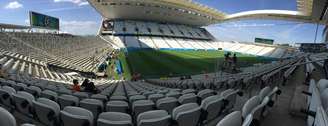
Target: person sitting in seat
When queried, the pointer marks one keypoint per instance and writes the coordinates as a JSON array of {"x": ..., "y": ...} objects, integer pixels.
[
  {"x": 90, "y": 87},
  {"x": 76, "y": 87},
  {"x": 85, "y": 82}
]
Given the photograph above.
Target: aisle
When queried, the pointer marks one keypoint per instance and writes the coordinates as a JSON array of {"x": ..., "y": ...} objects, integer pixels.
[{"x": 283, "y": 113}]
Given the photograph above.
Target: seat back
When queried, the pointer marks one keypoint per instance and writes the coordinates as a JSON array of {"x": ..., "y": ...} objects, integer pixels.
[
  {"x": 23, "y": 102},
  {"x": 49, "y": 94},
  {"x": 76, "y": 116},
  {"x": 187, "y": 114},
  {"x": 6, "y": 118},
  {"x": 68, "y": 100},
  {"x": 212, "y": 106},
  {"x": 93, "y": 105},
  {"x": 232, "y": 119},
  {"x": 117, "y": 106},
  {"x": 154, "y": 118},
  {"x": 250, "y": 105},
  {"x": 114, "y": 119},
  {"x": 188, "y": 98},
  {"x": 141, "y": 106},
  {"x": 47, "y": 111},
  {"x": 168, "y": 104}
]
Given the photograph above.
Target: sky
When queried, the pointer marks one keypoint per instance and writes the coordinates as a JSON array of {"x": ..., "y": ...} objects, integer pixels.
[{"x": 79, "y": 18}]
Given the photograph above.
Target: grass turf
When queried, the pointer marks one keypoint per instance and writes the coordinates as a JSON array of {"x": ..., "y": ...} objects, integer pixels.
[{"x": 162, "y": 63}]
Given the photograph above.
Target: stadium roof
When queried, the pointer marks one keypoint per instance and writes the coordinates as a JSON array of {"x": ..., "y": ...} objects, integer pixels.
[
  {"x": 192, "y": 13},
  {"x": 11, "y": 26}
]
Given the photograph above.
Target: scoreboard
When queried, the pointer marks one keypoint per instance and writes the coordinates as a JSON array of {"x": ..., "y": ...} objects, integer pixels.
[{"x": 38, "y": 20}]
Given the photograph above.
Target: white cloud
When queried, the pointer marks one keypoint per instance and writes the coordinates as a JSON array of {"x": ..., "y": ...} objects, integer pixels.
[
  {"x": 77, "y": 2},
  {"x": 14, "y": 5},
  {"x": 79, "y": 27},
  {"x": 83, "y": 3}
]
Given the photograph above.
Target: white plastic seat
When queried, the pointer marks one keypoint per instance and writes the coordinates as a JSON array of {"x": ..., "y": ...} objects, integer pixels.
[
  {"x": 114, "y": 119},
  {"x": 212, "y": 106},
  {"x": 257, "y": 112},
  {"x": 232, "y": 119},
  {"x": 188, "y": 98},
  {"x": 117, "y": 106},
  {"x": 47, "y": 111},
  {"x": 6, "y": 118},
  {"x": 76, "y": 116},
  {"x": 187, "y": 114},
  {"x": 322, "y": 84},
  {"x": 230, "y": 96},
  {"x": 141, "y": 106},
  {"x": 6, "y": 93},
  {"x": 34, "y": 90},
  {"x": 250, "y": 105},
  {"x": 167, "y": 103},
  {"x": 93, "y": 105},
  {"x": 49, "y": 94},
  {"x": 154, "y": 118},
  {"x": 264, "y": 92},
  {"x": 23, "y": 102},
  {"x": 205, "y": 93},
  {"x": 155, "y": 97},
  {"x": 68, "y": 100}
]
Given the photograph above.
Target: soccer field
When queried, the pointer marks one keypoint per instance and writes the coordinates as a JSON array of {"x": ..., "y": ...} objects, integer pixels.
[{"x": 162, "y": 63}]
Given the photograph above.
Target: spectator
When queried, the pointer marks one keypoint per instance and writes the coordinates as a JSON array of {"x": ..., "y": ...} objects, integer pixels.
[
  {"x": 76, "y": 87},
  {"x": 90, "y": 87},
  {"x": 85, "y": 82},
  {"x": 325, "y": 67},
  {"x": 234, "y": 62}
]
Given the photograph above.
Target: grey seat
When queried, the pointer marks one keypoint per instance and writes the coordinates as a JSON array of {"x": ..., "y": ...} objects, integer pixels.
[
  {"x": 187, "y": 91},
  {"x": 187, "y": 114},
  {"x": 250, "y": 105},
  {"x": 114, "y": 119},
  {"x": 19, "y": 86},
  {"x": 257, "y": 112},
  {"x": 6, "y": 118},
  {"x": 154, "y": 118},
  {"x": 100, "y": 97},
  {"x": 49, "y": 94},
  {"x": 230, "y": 96},
  {"x": 47, "y": 111},
  {"x": 322, "y": 84},
  {"x": 68, "y": 100},
  {"x": 117, "y": 106},
  {"x": 233, "y": 119},
  {"x": 93, "y": 105},
  {"x": 167, "y": 103},
  {"x": 118, "y": 98},
  {"x": 205, "y": 93},
  {"x": 136, "y": 97},
  {"x": 34, "y": 90},
  {"x": 23, "y": 102},
  {"x": 6, "y": 93},
  {"x": 173, "y": 94},
  {"x": 155, "y": 97},
  {"x": 141, "y": 106},
  {"x": 212, "y": 106},
  {"x": 188, "y": 98},
  {"x": 81, "y": 95},
  {"x": 76, "y": 116}
]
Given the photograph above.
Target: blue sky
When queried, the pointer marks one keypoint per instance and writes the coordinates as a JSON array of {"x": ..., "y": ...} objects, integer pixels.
[{"x": 77, "y": 17}]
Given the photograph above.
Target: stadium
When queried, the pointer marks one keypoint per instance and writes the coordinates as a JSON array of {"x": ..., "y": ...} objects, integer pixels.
[{"x": 156, "y": 63}]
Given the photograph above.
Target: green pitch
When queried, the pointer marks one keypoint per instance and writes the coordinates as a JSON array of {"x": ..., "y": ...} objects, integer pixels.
[{"x": 162, "y": 63}]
